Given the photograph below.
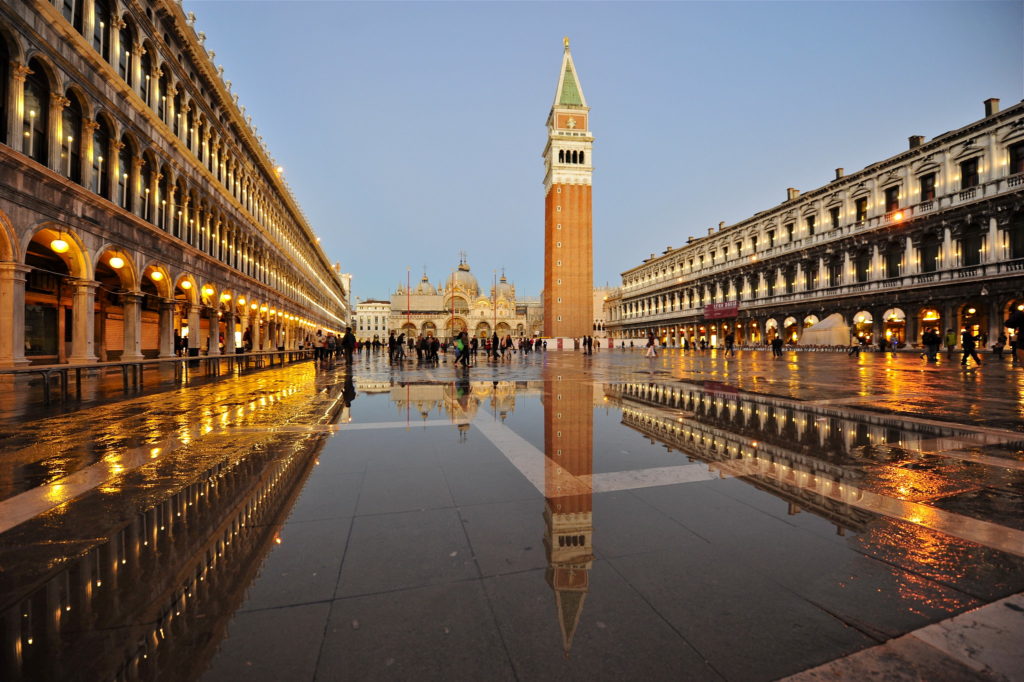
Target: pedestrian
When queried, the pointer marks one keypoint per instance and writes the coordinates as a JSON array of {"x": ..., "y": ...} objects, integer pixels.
[
  {"x": 931, "y": 342},
  {"x": 950, "y": 341},
  {"x": 392, "y": 345},
  {"x": 464, "y": 355},
  {"x": 400, "y": 347},
  {"x": 777, "y": 347},
  {"x": 730, "y": 340},
  {"x": 652, "y": 351},
  {"x": 999, "y": 345},
  {"x": 348, "y": 344},
  {"x": 968, "y": 342}
]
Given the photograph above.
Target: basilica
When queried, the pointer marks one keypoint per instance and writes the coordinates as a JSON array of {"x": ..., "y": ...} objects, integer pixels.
[{"x": 459, "y": 304}]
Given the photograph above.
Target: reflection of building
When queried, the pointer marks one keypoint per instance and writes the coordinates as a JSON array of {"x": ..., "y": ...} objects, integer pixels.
[
  {"x": 931, "y": 237},
  {"x": 153, "y": 598},
  {"x": 371, "y": 319},
  {"x": 816, "y": 458},
  {"x": 600, "y": 321},
  {"x": 568, "y": 233},
  {"x": 568, "y": 465},
  {"x": 456, "y": 305},
  {"x": 141, "y": 201},
  {"x": 459, "y": 402}
]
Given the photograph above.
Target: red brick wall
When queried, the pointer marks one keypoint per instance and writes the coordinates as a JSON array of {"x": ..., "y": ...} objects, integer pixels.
[{"x": 576, "y": 254}]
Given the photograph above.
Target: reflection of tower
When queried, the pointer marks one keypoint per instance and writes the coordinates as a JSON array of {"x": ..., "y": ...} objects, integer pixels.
[
  {"x": 568, "y": 446},
  {"x": 568, "y": 238}
]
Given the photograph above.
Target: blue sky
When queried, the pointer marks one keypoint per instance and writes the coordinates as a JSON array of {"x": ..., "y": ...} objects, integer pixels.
[{"x": 412, "y": 131}]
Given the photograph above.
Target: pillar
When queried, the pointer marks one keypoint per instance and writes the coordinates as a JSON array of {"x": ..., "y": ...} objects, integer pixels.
[
  {"x": 193, "y": 329},
  {"x": 16, "y": 104},
  {"x": 913, "y": 325},
  {"x": 167, "y": 328},
  {"x": 12, "y": 307},
  {"x": 82, "y": 323},
  {"x": 56, "y": 131},
  {"x": 229, "y": 333},
  {"x": 214, "y": 332},
  {"x": 993, "y": 249},
  {"x": 910, "y": 263},
  {"x": 131, "y": 304}
]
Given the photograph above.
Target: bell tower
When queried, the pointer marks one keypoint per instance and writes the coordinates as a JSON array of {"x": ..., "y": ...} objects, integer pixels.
[{"x": 568, "y": 240}]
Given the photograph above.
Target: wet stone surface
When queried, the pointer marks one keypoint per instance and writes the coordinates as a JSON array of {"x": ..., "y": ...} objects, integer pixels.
[{"x": 557, "y": 516}]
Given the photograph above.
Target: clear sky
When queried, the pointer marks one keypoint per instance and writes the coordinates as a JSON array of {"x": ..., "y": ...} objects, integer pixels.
[{"x": 412, "y": 131}]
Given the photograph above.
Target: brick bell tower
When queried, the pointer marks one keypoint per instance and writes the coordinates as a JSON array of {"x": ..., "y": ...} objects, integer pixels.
[{"x": 568, "y": 238}]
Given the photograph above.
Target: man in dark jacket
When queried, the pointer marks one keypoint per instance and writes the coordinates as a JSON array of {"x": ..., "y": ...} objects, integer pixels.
[
  {"x": 348, "y": 345},
  {"x": 968, "y": 342}
]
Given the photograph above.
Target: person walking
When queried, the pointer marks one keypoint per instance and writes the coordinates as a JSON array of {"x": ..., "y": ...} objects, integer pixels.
[
  {"x": 931, "y": 342},
  {"x": 777, "y": 347},
  {"x": 969, "y": 342},
  {"x": 950, "y": 341},
  {"x": 999, "y": 345},
  {"x": 348, "y": 345},
  {"x": 392, "y": 343},
  {"x": 652, "y": 351},
  {"x": 730, "y": 341},
  {"x": 464, "y": 355}
]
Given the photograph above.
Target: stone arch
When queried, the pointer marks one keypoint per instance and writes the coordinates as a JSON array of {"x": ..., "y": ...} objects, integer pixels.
[
  {"x": 76, "y": 257},
  {"x": 159, "y": 276},
  {"x": 126, "y": 273},
  {"x": 190, "y": 293},
  {"x": 209, "y": 294},
  {"x": 7, "y": 238}
]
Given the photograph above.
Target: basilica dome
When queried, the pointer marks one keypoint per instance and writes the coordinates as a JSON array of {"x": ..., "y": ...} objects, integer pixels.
[
  {"x": 464, "y": 278},
  {"x": 424, "y": 288},
  {"x": 505, "y": 290}
]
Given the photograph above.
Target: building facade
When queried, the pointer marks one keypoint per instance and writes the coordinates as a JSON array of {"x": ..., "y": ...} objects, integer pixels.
[
  {"x": 458, "y": 304},
  {"x": 372, "y": 319},
  {"x": 137, "y": 200},
  {"x": 932, "y": 237},
  {"x": 568, "y": 238}
]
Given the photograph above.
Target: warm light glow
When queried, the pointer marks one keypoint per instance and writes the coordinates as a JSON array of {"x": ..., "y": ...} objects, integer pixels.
[
  {"x": 208, "y": 291},
  {"x": 898, "y": 215},
  {"x": 59, "y": 245},
  {"x": 186, "y": 285},
  {"x": 156, "y": 275},
  {"x": 971, "y": 311},
  {"x": 241, "y": 301},
  {"x": 225, "y": 297},
  {"x": 116, "y": 262},
  {"x": 254, "y": 306}
]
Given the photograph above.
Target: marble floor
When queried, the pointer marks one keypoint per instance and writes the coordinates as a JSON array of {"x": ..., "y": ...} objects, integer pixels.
[{"x": 555, "y": 516}]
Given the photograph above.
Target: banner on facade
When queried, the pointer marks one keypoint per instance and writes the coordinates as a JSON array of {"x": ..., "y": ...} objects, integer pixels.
[{"x": 721, "y": 311}]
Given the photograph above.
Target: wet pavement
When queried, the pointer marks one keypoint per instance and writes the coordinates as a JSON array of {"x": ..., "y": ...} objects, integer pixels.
[{"x": 557, "y": 516}]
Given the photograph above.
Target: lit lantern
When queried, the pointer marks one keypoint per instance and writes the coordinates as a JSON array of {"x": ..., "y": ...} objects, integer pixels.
[
  {"x": 156, "y": 275},
  {"x": 116, "y": 262},
  {"x": 186, "y": 285},
  {"x": 59, "y": 245}
]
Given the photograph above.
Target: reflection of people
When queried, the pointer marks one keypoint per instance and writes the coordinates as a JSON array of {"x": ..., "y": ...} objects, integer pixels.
[{"x": 348, "y": 391}]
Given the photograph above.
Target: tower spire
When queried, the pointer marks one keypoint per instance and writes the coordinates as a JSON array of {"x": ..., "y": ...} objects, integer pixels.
[{"x": 569, "y": 92}]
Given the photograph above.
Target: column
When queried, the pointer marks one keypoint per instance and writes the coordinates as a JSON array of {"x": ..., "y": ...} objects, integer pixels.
[
  {"x": 913, "y": 324},
  {"x": 244, "y": 323},
  {"x": 949, "y": 321},
  {"x": 88, "y": 129},
  {"x": 799, "y": 284},
  {"x": 193, "y": 329},
  {"x": 131, "y": 304},
  {"x": 214, "y": 333},
  {"x": 995, "y": 321},
  {"x": 993, "y": 249},
  {"x": 136, "y": 66},
  {"x": 822, "y": 274},
  {"x": 136, "y": 191},
  {"x": 257, "y": 333},
  {"x": 876, "y": 263},
  {"x": 947, "y": 250},
  {"x": 82, "y": 323},
  {"x": 57, "y": 104},
  {"x": 911, "y": 266},
  {"x": 229, "y": 333},
  {"x": 12, "y": 307},
  {"x": 16, "y": 104},
  {"x": 88, "y": 19},
  {"x": 167, "y": 328}
]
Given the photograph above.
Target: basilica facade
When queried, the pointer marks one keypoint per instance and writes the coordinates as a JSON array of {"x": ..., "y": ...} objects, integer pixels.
[{"x": 460, "y": 304}]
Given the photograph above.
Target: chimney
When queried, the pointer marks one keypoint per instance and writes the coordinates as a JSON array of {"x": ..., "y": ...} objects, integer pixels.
[
  {"x": 916, "y": 140},
  {"x": 839, "y": 173},
  {"x": 711, "y": 230},
  {"x": 721, "y": 225},
  {"x": 991, "y": 106},
  {"x": 792, "y": 193}
]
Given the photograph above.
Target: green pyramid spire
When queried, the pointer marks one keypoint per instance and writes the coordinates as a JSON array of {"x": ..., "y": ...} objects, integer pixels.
[{"x": 570, "y": 91}]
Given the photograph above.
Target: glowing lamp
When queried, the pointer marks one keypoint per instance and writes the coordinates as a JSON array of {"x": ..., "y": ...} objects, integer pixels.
[
  {"x": 225, "y": 297},
  {"x": 116, "y": 262},
  {"x": 971, "y": 311},
  {"x": 59, "y": 245},
  {"x": 241, "y": 301},
  {"x": 898, "y": 215},
  {"x": 208, "y": 291},
  {"x": 156, "y": 275},
  {"x": 186, "y": 285},
  {"x": 254, "y": 306}
]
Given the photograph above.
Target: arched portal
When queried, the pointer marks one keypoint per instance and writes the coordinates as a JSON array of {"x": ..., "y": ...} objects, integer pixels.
[
  {"x": 894, "y": 326},
  {"x": 59, "y": 297},
  {"x": 863, "y": 327}
]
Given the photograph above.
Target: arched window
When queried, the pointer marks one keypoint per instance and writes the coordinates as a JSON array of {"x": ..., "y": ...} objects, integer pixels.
[
  {"x": 1015, "y": 236},
  {"x": 190, "y": 122},
  {"x": 178, "y": 215},
  {"x": 5, "y": 79},
  {"x": 71, "y": 139},
  {"x": 146, "y": 186},
  {"x": 146, "y": 86},
  {"x": 561, "y": 156},
  {"x": 124, "y": 58},
  {"x": 970, "y": 245},
  {"x": 101, "y": 158},
  {"x": 37, "y": 113},
  {"x": 176, "y": 123},
  {"x": 581, "y": 157},
  {"x": 101, "y": 28},
  {"x": 72, "y": 11},
  {"x": 125, "y": 157},
  {"x": 161, "y": 102},
  {"x": 160, "y": 202},
  {"x": 574, "y": 157}
]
